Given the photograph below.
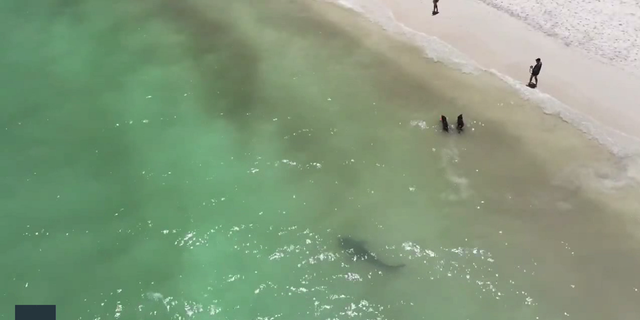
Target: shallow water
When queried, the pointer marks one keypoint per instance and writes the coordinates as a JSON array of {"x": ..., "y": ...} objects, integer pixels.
[{"x": 172, "y": 160}]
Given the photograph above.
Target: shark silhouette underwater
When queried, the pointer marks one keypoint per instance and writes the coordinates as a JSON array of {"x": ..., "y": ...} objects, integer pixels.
[{"x": 357, "y": 250}]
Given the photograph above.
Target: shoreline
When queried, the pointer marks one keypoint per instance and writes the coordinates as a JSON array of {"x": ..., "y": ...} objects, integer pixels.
[
  {"x": 572, "y": 85},
  {"x": 582, "y": 159}
]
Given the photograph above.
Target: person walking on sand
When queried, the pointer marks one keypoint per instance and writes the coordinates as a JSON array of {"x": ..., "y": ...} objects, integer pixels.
[
  {"x": 535, "y": 71},
  {"x": 435, "y": 7}
]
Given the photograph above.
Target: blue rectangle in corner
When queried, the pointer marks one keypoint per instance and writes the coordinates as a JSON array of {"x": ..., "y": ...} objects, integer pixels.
[{"x": 35, "y": 312}]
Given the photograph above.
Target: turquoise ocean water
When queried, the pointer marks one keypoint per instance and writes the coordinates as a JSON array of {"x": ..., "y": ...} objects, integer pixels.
[{"x": 171, "y": 159}]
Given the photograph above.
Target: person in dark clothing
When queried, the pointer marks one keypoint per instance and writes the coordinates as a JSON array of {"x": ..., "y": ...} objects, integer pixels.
[
  {"x": 435, "y": 7},
  {"x": 535, "y": 71}
]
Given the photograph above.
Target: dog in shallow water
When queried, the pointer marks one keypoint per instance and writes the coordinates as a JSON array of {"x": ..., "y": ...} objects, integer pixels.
[
  {"x": 445, "y": 123},
  {"x": 460, "y": 125}
]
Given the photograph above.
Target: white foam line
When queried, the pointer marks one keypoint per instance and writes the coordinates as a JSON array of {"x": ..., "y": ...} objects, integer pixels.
[
  {"x": 439, "y": 50},
  {"x": 613, "y": 140},
  {"x": 433, "y": 47}
]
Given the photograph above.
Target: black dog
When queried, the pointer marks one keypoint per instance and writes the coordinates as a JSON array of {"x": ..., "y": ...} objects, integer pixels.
[
  {"x": 460, "y": 125},
  {"x": 445, "y": 123}
]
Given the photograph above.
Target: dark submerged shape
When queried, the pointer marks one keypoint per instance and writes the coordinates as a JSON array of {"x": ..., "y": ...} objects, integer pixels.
[{"x": 357, "y": 250}]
